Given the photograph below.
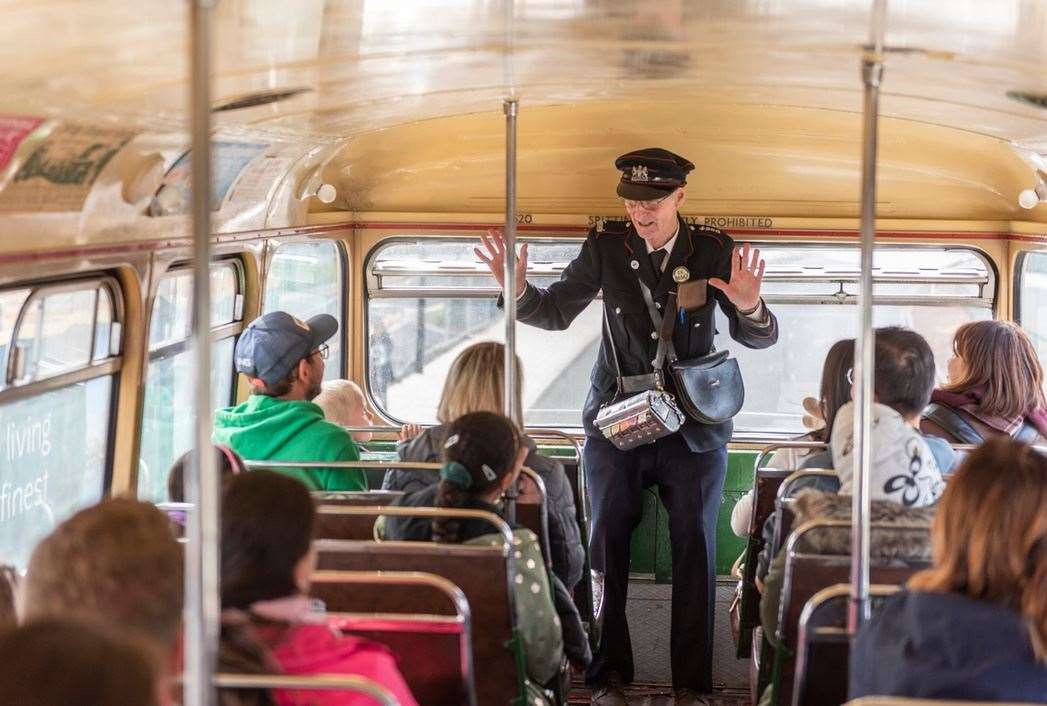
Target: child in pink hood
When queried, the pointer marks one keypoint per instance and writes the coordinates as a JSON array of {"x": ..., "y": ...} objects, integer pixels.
[{"x": 267, "y": 564}]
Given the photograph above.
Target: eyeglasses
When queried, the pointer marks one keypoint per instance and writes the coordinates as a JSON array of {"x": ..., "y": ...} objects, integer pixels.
[
  {"x": 651, "y": 205},
  {"x": 324, "y": 351}
]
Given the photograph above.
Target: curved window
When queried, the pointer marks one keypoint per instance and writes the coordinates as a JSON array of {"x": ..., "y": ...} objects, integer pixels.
[
  {"x": 166, "y": 431},
  {"x": 305, "y": 279},
  {"x": 1031, "y": 291},
  {"x": 60, "y": 351},
  {"x": 428, "y": 299}
]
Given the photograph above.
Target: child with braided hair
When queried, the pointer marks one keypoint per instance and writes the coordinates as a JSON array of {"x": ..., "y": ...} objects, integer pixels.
[{"x": 483, "y": 455}]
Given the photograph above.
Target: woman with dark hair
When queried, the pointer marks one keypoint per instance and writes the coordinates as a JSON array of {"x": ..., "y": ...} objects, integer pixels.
[
  {"x": 974, "y": 626},
  {"x": 483, "y": 455},
  {"x": 49, "y": 662},
  {"x": 834, "y": 392},
  {"x": 267, "y": 563},
  {"x": 227, "y": 461},
  {"x": 995, "y": 387}
]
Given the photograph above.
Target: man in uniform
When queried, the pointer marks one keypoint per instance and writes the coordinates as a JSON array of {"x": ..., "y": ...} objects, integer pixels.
[{"x": 658, "y": 248}]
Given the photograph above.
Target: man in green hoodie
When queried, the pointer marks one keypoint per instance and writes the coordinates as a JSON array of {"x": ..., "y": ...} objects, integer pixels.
[{"x": 283, "y": 359}]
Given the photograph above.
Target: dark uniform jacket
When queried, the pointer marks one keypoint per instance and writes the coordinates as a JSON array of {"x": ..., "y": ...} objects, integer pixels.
[
  {"x": 565, "y": 543},
  {"x": 604, "y": 263}
]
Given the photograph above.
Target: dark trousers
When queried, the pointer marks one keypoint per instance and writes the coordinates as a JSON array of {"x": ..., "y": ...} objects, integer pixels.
[{"x": 691, "y": 487}]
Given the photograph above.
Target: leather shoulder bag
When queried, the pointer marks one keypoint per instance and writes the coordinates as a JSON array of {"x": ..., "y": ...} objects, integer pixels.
[{"x": 710, "y": 388}]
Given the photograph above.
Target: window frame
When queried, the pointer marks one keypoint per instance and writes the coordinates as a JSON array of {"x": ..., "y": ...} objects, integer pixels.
[
  {"x": 342, "y": 259},
  {"x": 374, "y": 289},
  {"x": 1017, "y": 286},
  {"x": 169, "y": 350},
  {"x": 218, "y": 333},
  {"x": 13, "y": 390},
  {"x": 111, "y": 366}
]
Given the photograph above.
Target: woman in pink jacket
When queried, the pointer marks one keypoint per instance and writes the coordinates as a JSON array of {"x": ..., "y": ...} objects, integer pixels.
[{"x": 268, "y": 617}]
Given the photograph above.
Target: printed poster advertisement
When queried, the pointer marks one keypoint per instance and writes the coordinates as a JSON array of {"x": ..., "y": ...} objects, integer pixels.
[
  {"x": 53, "y": 454},
  {"x": 228, "y": 160},
  {"x": 13, "y": 131},
  {"x": 59, "y": 173}
]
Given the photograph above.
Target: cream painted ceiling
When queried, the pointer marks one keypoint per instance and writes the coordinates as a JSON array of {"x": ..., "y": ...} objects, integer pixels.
[
  {"x": 371, "y": 64},
  {"x": 764, "y": 93}
]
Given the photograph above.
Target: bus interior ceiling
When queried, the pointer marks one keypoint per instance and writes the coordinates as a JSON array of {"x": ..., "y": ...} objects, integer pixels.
[
  {"x": 397, "y": 105},
  {"x": 371, "y": 121}
]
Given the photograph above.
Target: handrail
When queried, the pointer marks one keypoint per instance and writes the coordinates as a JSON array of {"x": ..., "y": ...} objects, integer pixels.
[
  {"x": 395, "y": 511},
  {"x": 402, "y": 465},
  {"x": 811, "y": 525},
  {"x": 795, "y": 444},
  {"x": 462, "y": 268},
  {"x": 819, "y": 599},
  {"x": 500, "y": 525},
  {"x": 790, "y": 480},
  {"x": 316, "y": 682},
  {"x": 816, "y": 524},
  {"x": 533, "y": 432},
  {"x": 419, "y": 578}
]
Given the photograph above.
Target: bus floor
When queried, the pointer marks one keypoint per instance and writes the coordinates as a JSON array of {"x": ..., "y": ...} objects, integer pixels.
[
  {"x": 649, "y": 622},
  {"x": 650, "y": 694}
]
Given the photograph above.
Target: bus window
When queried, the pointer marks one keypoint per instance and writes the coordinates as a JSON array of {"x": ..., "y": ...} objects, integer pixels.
[
  {"x": 813, "y": 292},
  {"x": 306, "y": 279},
  {"x": 166, "y": 432},
  {"x": 1031, "y": 289},
  {"x": 428, "y": 299},
  {"x": 60, "y": 356}
]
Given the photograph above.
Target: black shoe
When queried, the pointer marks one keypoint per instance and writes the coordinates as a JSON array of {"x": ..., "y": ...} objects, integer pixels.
[
  {"x": 609, "y": 692},
  {"x": 688, "y": 697}
]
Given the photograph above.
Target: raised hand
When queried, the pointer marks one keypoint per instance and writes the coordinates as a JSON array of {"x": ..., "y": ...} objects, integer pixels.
[
  {"x": 493, "y": 255},
  {"x": 743, "y": 289}
]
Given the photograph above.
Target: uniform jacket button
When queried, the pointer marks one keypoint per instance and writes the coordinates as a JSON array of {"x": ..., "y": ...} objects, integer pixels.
[
  {"x": 618, "y": 310},
  {"x": 654, "y": 335},
  {"x": 658, "y": 304}
]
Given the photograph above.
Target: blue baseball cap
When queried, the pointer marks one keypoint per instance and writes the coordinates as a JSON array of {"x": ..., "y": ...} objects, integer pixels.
[{"x": 272, "y": 345}]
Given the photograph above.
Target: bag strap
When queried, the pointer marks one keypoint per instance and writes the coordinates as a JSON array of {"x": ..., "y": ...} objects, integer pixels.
[
  {"x": 950, "y": 420},
  {"x": 664, "y": 326},
  {"x": 614, "y": 350}
]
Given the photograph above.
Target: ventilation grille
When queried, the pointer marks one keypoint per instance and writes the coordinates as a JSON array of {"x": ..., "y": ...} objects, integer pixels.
[
  {"x": 1036, "y": 99},
  {"x": 257, "y": 98}
]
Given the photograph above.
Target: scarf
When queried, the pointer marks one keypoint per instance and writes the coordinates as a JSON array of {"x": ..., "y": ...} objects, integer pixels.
[{"x": 970, "y": 402}]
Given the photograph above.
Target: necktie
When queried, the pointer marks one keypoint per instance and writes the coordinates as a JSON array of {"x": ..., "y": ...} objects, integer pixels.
[{"x": 657, "y": 258}]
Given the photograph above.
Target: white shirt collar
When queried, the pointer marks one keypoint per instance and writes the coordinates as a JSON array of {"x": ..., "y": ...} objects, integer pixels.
[{"x": 668, "y": 247}]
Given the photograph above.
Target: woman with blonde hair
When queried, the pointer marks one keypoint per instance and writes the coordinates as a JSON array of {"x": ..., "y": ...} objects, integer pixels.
[
  {"x": 995, "y": 387},
  {"x": 974, "y": 626},
  {"x": 474, "y": 384}
]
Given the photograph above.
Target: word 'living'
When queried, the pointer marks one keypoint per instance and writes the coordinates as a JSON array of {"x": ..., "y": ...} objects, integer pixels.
[{"x": 20, "y": 440}]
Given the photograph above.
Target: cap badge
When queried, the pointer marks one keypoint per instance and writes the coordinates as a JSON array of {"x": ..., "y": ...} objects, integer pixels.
[
  {"x": 640, "y": 174},
  {"x": 681, "y": 275},
  {"x": 634, "y": 264}
]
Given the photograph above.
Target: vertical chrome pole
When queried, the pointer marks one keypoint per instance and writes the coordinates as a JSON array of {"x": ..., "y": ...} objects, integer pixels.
[
  {"x": 202, "y": 570},
  {"x": 512, "y": 403},
  {"x": 872, "y": 73},
  {"x": 510, "y": 107}
]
